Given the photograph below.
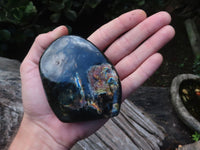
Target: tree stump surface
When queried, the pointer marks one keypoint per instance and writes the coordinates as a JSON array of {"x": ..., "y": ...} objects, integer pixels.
[
  {"x": 192, "y": 146},
  {"x": 132, "y": 129}
]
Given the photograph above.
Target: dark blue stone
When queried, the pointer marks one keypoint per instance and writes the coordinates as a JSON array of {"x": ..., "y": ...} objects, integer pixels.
[{"x": 79, "y": 81}]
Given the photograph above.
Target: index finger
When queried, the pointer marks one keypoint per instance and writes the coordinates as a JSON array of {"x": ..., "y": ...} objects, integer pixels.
[{"x": 42, "y": 41}]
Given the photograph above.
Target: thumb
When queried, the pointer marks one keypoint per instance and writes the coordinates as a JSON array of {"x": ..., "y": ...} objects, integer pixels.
[{"x": 42, "y": 41}]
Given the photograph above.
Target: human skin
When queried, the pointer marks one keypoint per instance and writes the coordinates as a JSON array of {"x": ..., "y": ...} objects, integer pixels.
[{"x": 130, "y": 42}]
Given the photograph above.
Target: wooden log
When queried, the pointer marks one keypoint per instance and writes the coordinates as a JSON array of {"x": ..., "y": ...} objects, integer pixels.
[
  {"x": 193, "y": 146},
  {"x": 131, "y": 129}
]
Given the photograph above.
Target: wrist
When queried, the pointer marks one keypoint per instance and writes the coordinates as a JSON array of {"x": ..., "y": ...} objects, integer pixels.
[{"x": 32, "y": 136}]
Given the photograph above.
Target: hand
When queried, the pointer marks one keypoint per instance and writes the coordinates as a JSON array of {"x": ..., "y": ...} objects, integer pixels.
[{"x": 130, "y": 41}]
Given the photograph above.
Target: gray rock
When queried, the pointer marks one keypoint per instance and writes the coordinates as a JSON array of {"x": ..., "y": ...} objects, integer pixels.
[
  {"x": 10, "y": 65},
  {"x": 11, "y": 109},
  {"x": 178, "y": 105}
]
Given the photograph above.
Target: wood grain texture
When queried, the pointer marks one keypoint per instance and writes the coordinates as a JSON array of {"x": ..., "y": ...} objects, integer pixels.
[
  {"x": 132, "y": 129},
  {"x": 193, "y": 146}
]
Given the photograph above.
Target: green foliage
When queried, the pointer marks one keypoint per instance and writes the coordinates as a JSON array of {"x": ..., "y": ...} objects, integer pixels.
[
  {"x": 196, "y": 65},
  {"x": 196, "y": 137},
  {"x": 23, "y": 11},
  {"x": 16, "y": 12},
  {"x": 22, "y": 20}
]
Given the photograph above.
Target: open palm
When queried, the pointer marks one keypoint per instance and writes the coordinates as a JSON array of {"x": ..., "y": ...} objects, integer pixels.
[{"x": 130, "y": 42}]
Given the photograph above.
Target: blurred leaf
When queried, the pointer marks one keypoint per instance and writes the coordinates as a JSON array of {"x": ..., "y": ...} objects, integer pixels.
[
  {"x": 196, "y": 65},
  {"x": 77, "y": 4},
  {"x": 141, "y": 2},
  {"x": 68, "y": 4},
  {"x": 2, "y": 16},
  {"x": 30, "y": 8},
  {"x": 55, "y": 17},
  {"x": 17, "y": 14},
  {"x": 71, "y": 15},
  {"x": 5, "y": 35},
  {"x": 24, "y": 19},
  {"x": 93, "y": 3},
  {"x": 56, "y": 6}
]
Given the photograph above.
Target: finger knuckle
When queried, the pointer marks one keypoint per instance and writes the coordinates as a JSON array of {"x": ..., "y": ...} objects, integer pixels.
[{"x": 40, "y": 37}]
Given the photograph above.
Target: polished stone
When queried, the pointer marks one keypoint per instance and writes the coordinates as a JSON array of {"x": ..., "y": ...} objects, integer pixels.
[{"x": 79, "y": 81}]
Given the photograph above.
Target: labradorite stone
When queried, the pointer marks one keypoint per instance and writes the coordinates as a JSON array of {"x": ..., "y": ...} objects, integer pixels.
[{"x": 79, "y": 81}]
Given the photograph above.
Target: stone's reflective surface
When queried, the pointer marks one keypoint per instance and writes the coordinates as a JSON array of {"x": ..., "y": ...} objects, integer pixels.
[{"x": 79, "y": 81}]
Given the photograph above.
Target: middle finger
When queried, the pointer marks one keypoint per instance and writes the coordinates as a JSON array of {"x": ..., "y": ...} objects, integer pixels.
[{"x": 132, "y": 39}]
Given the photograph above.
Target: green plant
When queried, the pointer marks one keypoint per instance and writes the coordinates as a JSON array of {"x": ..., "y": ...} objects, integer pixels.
[
  {"x": 22, "y": 20},
  {"x": 16, "y": 12},
  {"x": 196, "y": 65},
  {"x": 69, "y": 9},
  {"x": 196, "y": 136}
]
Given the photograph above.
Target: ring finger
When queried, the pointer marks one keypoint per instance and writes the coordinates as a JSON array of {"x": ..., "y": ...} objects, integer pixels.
[{"x": 124, "y": 45}]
